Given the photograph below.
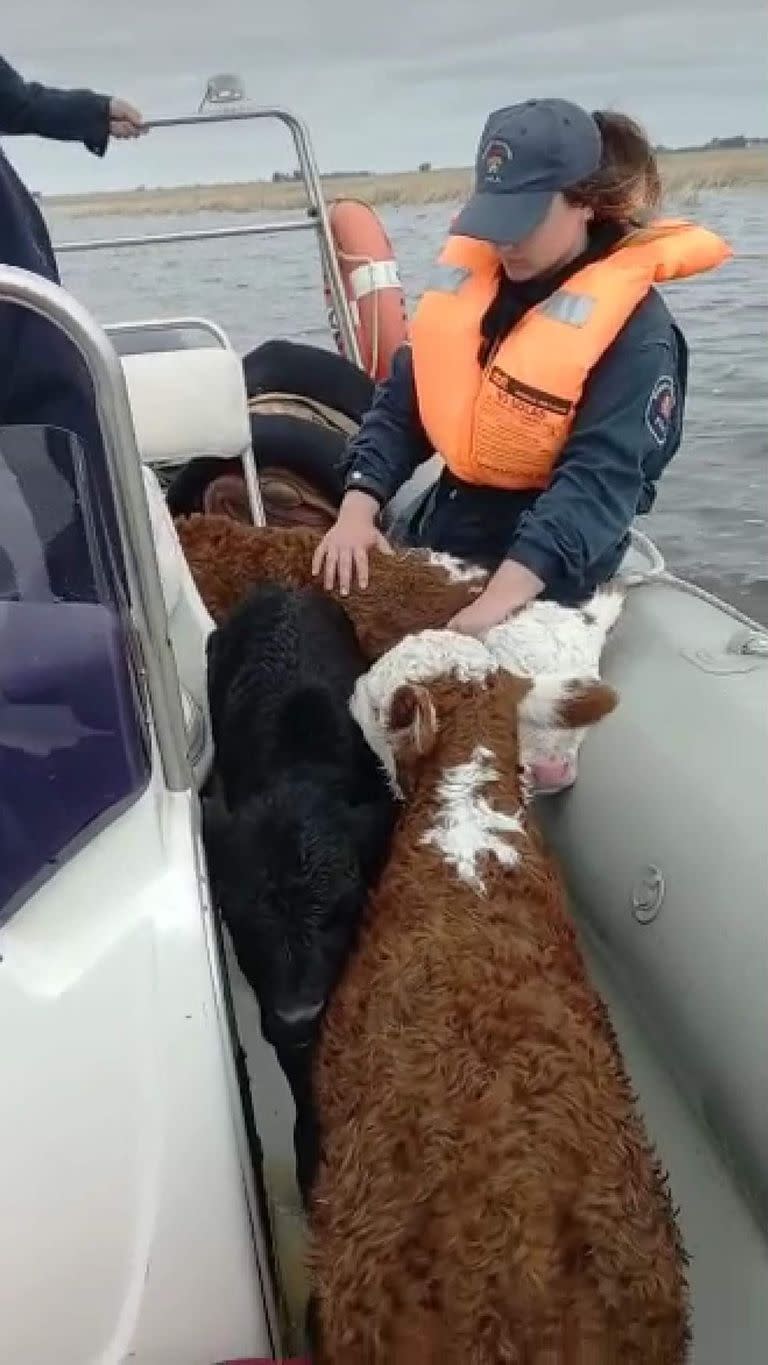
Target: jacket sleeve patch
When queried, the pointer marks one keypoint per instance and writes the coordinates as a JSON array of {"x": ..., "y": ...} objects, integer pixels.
[{"x": 660, "y": 408}]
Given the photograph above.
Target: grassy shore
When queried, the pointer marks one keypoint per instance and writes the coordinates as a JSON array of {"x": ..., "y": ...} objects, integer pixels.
[{"x": 683, "y": 172}]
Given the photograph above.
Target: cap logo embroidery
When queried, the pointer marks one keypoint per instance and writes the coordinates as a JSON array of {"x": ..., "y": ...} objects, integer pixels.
[{"x": 495, "y": 156}]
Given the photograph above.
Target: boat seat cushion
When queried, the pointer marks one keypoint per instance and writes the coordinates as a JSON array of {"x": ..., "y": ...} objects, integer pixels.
[{"x": 188, "y": 403}]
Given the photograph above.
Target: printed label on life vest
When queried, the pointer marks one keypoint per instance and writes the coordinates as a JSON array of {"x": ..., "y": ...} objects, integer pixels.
[
  {"x": 519, "y": 430},
  {"x": 527, "y": 396}
]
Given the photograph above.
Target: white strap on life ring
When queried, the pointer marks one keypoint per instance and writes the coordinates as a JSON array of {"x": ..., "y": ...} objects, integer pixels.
[{"x": 374, "y": 275}]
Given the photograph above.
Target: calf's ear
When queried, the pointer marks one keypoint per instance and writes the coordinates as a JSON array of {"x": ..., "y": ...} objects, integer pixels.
[
  {"x": 589, "y": 702},
  {"x": 412, "y": 721},
  {"x": 567, "y": 703}
]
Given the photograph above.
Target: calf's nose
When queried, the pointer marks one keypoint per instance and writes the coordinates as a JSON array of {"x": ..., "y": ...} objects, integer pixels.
[{"x": 550, "y": 775}]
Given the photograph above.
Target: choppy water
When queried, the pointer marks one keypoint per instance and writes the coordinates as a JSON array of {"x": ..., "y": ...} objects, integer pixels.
[{"x": 711, "y": 519}]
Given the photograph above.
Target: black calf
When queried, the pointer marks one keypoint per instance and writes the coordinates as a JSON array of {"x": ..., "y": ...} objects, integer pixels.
[{"x": 304, "y": 826}]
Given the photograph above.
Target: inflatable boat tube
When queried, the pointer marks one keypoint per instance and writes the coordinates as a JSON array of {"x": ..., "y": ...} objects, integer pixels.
[{"x": 663, "y": 842}]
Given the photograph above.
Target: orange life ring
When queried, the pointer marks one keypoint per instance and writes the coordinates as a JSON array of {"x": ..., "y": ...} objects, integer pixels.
[{"x": 371, "y": 284}]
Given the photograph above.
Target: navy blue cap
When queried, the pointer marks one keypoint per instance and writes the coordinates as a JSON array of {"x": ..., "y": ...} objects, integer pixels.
[{"x": 527, "y": 153}]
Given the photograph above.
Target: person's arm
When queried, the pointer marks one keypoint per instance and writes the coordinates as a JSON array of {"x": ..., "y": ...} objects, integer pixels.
[
  {"x": 384, "y": 453},
  {"x": 630, "y": 407},
  {"x": 27, "y": 107},
  {"x": 391, "y": 441}
]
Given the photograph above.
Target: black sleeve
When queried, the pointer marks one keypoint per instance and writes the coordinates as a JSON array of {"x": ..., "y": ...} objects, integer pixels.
[
  {"x": 391, "y": 441},
  {"x": 65, "y": 115},
  {"x": 43, "y": 379},
  {"x": 626, "y": 429}
]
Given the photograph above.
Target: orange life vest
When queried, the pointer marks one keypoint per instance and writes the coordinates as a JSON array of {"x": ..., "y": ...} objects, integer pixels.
[{"x": 505, "y": 425}]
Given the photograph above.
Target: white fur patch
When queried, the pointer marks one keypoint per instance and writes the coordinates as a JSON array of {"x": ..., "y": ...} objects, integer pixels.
[
  {"x": 426, "y": 655},
  {"x": 467, "y": 827},
  {"x": 419, "y": 658},
  {"x": 548, "y": 638},
  {"x": 555, "y": 645},
  {"x": 366, "y": 713},
  {"x": 457, "y": 570}
]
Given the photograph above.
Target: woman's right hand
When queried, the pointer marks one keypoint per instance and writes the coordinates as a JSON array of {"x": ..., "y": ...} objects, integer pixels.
[{"x": 349, "y": 542}]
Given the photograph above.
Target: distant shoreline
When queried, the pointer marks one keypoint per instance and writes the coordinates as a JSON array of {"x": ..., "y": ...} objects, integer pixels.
[{"x": 682, "y": 172}]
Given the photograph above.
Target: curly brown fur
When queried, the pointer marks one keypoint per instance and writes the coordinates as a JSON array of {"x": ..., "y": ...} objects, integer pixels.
[
  {"x": 406, "y": 592},
  {"x": 487, "y": 1193}
]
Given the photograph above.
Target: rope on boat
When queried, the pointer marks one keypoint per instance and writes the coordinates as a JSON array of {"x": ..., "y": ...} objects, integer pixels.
[
  {"x": 657, "y": 572},
  {"x": 656, "y": 562},
  {"x": 713, "y": 600},
  {"x": 352, "y": 258}
]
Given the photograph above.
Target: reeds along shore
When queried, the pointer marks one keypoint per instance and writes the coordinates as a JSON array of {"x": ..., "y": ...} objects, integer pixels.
[{"x": 683, "y": 172}]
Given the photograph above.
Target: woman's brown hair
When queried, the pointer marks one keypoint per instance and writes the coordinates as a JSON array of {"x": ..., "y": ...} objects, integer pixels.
[{"x": 626, "y": 187}]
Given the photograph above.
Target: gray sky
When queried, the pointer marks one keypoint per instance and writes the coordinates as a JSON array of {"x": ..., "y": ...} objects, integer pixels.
[{"x": 381, "y": 89}]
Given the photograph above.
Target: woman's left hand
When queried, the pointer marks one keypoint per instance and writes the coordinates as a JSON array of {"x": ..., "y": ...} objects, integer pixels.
[{"x": 511, "y": 588}]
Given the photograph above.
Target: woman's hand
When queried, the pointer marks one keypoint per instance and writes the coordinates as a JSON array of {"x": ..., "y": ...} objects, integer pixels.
[
  {"x": 479, "y": 616},
  {"x": 349, "y": 543},
  {"x": 511, "y": 588}
]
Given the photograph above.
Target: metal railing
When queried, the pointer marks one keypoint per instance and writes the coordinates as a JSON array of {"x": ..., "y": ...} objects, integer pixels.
[
  {"x": 316, "y": 219},
  {"x": 187, "y": 324},
  {"x": 53, "y": 303}
]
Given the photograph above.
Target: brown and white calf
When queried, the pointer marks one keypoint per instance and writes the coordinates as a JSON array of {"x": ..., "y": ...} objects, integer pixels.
[
  {"x": 546, "y": 640},
  {"x": 409, "y": 591},
  {"x": 486, "y": 1191}
]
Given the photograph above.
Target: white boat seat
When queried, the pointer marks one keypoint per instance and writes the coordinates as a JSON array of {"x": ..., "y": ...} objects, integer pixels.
[
  {"x": 190, "y": 403},
  {"x": 189, "y": 625}
]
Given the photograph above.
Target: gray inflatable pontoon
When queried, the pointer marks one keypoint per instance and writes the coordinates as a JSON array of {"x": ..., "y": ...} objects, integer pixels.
[{"x": 663, "y": 839}]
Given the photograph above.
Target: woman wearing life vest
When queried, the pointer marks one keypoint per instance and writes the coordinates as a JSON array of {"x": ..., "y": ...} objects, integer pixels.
[{"x": 543, "y": 366}]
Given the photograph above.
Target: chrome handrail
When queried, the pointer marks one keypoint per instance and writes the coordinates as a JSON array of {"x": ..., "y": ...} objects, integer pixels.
[
  {"x": 53, "y": 303},
  {"x": 317, "y": 211},
  {"x": 186, "y": 235},
  {"x": 188, "y": 323}
]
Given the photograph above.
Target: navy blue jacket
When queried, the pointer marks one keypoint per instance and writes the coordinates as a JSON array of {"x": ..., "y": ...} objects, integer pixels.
[
  {"x": 574, "y": 534},
  {"x": 43, "y": 381},
  {"x": 64, "y": 115}
]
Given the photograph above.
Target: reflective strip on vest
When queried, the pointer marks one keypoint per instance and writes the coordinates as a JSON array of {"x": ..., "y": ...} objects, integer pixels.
[
  {"x": 563, "y": 306},
  {"x": 447, "y": 279}
]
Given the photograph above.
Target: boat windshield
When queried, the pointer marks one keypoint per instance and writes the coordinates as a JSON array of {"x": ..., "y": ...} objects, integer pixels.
[{"x": 74, "y": 741}]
